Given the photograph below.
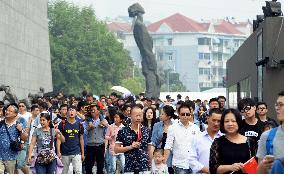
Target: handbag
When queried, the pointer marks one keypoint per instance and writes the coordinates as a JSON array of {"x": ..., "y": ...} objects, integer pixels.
[
  {"x": 15, "y": 145},
  {"x": 46, "y": 156}
]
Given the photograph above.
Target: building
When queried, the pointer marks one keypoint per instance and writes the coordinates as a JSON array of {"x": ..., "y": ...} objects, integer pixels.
[
  {"x": 198, "y": 51},
  {"x": 257, "y": 68},
  {"x": 24, "y": 46}
]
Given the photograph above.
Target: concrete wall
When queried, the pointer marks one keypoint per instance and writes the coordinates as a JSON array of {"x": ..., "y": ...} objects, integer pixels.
[
  {"x": 24, "y": 46},
  {"x": 242, "y": 64}
]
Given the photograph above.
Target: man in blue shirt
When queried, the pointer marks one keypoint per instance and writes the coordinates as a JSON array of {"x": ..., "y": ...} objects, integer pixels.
[{"x": 16, "y": 131}]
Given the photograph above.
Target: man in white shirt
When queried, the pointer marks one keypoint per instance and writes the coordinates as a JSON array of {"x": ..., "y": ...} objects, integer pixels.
[
  {"x": 202, "y": 144},
  {"x": 23, "y": 111},
  {"x": 180, "y": 139}
]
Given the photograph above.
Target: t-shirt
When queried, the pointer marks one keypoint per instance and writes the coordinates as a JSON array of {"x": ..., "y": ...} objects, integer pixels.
[
  {"x": 43, "y": 138},
  {"x": 5, "y": 152},
  {"x": 72, "y": 133},
  {"x": 277, "y": 144},
  {"x": 26, "y": 116},
  {"x": 253, "y": 131}
]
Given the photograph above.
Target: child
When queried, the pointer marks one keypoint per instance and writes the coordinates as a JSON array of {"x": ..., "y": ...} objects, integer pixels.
[{"x": 158, "y": 167}]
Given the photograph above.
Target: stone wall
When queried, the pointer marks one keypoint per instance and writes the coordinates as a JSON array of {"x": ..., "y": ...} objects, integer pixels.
[{"x": 24, "y": 46}]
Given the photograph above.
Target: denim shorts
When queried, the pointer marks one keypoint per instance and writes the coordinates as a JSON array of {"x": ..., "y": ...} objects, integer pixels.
[{"x": 21, "y": 160}]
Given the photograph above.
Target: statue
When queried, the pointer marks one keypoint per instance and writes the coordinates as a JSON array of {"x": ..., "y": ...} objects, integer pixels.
[
  {"x": 9, "y": 96},
  {"x": 145, "y": 45}
]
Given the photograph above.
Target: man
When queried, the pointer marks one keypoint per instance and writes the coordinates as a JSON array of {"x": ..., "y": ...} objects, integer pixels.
[
  {"x": 90, "y": 99},
  {"x": 266, "y": 162},
  {"x": 262, "y": 114},
  {"x": 251, "y": 126},
  {"x": 134, "y": 142},
  {"x": 21, "y": 156},
  {"x": 180, "y": 138},
  {"x": 126, "y": 109},
  {"x": 16, "y": 130},
  {"x": 23, "y": 111},
  {"x": 95, "y": 149},
  {"x": 31, "y": 123},
  {"x": 213, "y": 103},
  {"x": 222, "y": 101},
  {"x": 72, "y": 150},
  {"x": 200, "y": 162}
]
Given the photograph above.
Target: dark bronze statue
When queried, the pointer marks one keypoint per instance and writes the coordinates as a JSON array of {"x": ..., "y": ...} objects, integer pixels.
[{"x": 145, "y": 45}]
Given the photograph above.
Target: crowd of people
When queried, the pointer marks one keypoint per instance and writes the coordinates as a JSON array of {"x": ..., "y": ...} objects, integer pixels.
[{"x": 112, "y": 134}]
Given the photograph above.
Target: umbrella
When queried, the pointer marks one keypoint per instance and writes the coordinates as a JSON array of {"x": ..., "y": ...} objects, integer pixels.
[{"x": 121, "y": 89}]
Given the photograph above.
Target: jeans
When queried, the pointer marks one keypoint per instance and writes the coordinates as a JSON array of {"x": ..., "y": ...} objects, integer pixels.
[
  {"x": 46, "y": 168},
  {"x": 119, "y": 158},
  {"x": 109, "y": 162},
  {"x": 76, "y": 163},
  {"x": 95, "y": 153},
  {"x": 7, "y": 166},
  {"x": 182, "y": 171}
]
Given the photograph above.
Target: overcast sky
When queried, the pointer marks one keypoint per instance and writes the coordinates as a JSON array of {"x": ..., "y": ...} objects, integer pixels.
[{"x": 198, "y": 9}]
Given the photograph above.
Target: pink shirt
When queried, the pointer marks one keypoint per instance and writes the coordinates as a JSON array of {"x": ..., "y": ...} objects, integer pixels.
[{"x": 111, "y": 135}]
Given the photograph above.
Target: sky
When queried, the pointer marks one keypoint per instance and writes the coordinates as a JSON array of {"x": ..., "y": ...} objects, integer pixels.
[{"x": 198, "y": 9}]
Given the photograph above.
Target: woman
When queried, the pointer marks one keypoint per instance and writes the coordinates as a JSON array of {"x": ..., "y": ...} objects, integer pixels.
[
  {"x": 229, "y": 152},
  {"x": 160, "y": 130},
  {"x": 44, "y": 137},
  {"x": 149, "y": 118}
]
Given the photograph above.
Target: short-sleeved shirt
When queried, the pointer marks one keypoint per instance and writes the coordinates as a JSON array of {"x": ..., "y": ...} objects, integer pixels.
[
  {"x": 277, "y": 144},
  {"x": 135, "y": 159},
  {"x": 43, "y": 138},
  {"x": 253, "y": 131},
  {"x": 72, "y": 133},
  {"x": 5, "y": 152}
]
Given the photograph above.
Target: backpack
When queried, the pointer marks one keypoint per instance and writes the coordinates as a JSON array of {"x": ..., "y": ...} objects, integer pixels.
[
  {"x": 277, "y": 167},
  {"x": 269, "y": 141}
]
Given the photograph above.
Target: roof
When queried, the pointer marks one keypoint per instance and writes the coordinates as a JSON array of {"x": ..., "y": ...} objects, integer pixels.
[
  {"x": 119, "y": 26},
  {"x": 226, "y": 27},
  {"x": 178, "y": 23}
]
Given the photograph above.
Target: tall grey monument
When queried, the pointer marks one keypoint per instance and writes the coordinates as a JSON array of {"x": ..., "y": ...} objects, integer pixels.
[
  {"x": 24, "y": 46},
  {"x": 145, "y": 45}
]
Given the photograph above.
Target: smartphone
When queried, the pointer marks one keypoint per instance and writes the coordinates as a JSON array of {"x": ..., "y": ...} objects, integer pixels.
[{"x": 269, "y": 157}]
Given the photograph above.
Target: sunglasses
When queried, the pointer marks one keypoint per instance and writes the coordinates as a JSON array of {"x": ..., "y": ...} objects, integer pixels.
[
  {"x": 246, "y": 109},
  {"x": 92, "y": 111},
  {"x": 21, "y": 105},
  {"x": 185, "y": 114}
]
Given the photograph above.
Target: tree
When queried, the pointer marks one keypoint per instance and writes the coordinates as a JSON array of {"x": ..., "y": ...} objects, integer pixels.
[{"x": 84, "y": 54}]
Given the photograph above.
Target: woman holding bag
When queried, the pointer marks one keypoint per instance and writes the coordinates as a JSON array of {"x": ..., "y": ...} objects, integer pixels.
[{"x": 45, "y": 159}]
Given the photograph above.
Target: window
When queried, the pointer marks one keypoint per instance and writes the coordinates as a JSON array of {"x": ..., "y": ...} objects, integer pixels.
[
  {"x": 204, "y": 71},
  {"x": 204, "y": 41},
  {"x": 170, "y": 56},
  {"x": 160, "y": 56},
  {"x": 233, "y": 96},
  {"x": 259, "y": 68},
  {"x": 170, "y": 41},
  {"x": 205, "y": 56}
]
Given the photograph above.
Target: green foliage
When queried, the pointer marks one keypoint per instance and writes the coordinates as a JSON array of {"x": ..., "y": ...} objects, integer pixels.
[
  {"x": 135, "y": 84},
  {"x": 84, "y": 54},
  {"x": 170, "y": 82}
]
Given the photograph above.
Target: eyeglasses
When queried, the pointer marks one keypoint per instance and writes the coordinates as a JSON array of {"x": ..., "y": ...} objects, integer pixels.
[
  {"x": 279, "y": 105},
  {"x": 21, "y": 105},
  {"x": 185, "y": 114},
  {"x": 71, "y": 109},
  {"x": 92, "y": 111},
  {"x": 246, "y": 109},
  {"x": 261, "y": 109}
]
